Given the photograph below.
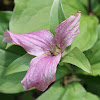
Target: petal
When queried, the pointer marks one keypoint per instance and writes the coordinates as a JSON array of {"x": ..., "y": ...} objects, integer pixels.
[
  {"x": 67, "y": 31},
  {"x": 35, "y": 43},
  {"x": 41, "y": 72}
]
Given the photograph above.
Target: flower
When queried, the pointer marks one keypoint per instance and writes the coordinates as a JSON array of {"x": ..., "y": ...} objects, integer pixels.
[{"x": 47, "y": 49}]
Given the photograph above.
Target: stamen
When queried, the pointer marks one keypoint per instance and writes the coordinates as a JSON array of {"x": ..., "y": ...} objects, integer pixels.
[{"x": 56, "y": 50}]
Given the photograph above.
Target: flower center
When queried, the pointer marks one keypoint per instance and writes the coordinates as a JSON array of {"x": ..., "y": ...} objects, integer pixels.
[{"x": 56, "y": 50}]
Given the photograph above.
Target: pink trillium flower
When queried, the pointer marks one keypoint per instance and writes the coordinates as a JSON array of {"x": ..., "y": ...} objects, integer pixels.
[{"x": 47, "y": 49}]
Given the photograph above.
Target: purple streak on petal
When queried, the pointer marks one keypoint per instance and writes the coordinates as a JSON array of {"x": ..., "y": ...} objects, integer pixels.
[
  {"x": 67, "y": 31},
  {"x": 35, "y": 43},
  {"x": 41, "y": 72}
]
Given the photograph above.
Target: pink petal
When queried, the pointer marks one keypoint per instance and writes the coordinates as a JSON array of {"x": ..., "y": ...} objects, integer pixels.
[
  {"x": 41, "y": 72},
  {"x": 35, "y": 43},
  {"x": 67, "y": 31}
]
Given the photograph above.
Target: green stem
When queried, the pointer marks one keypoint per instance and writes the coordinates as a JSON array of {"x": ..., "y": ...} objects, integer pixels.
[
  {"x": 90, "y": 6},
  {"x": 73, "y": 79}
]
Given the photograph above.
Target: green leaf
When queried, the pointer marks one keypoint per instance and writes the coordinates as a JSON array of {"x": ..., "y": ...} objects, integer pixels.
[
  {"x": 92, "y": 83},
  {"x": 53, "y": 93},
  {"x": 98, "y": 30},
  {"x": 96, "y": 7},
  {"x": 84, "y": 3},
  {"x": 32, "y": 15},
  {"x": 2, "y": 45},
  {"x": 93, "y": 55},
  {"x": 88, "y": 33},
  {"x": 4, "y": 20},
  {"x": 73, "y": 91},
  {"x": 19, "y": 65},
  {"x": 97, "y": 10},
  {"x": 6, "y": 57},
  {"x": 94, "y": 4},
  {"x": 11, "y": 83},
  {"x": 72, "y": 6},
  {"x": 62, "y": 70},
  {"x": 17, "y": 70},
  {"x": 22, "y": 64},
  {"x": 56, "y": 13},
  {"x": 4, "y": 23},
  {"x": 76, "y": 57}
]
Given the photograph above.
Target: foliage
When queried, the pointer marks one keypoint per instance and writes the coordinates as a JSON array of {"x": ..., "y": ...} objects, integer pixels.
[{"x": 78, "y": 73}]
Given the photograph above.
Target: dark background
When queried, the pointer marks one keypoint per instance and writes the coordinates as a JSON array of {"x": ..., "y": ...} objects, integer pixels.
[{"x": 6, "y": 5}]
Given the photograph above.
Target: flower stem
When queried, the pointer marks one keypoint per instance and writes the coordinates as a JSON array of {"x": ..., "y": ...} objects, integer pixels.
[{"x": 90, "y": 7}]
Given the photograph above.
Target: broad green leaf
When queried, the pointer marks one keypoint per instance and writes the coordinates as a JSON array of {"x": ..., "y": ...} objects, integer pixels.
[
  {"x": 19, "y": 65},
  {"x": 76, "y": 57},
  {"x": 34, "y": 15},
  {"x": 84, "y": 3},
  {"x": 6, "y": 57},
  {"x": 97, "y": 10},
  {"x": 4, "y": 23},
  {"x": 54, "y": 93},
  {"x": 94, "y": 4},
  {"x": 15, "y": 78},
  {"x": 4, "y": 20},
  {"x": 2, "y": 45},
  {"x": 72, "y": 6},
  {"x": 56, "y": 15},
  {"x": 92, "y": 83},
  {"x": 62, "y": 70},
  {"x": 98, "y": 30},
  {"x": 93, "y": 55},
  {"x": 73, "y": 91},
  {"x": 88, "y": 33},
  {"x": 11, "y": 83},
  {"x": 96, "y": 7}
]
